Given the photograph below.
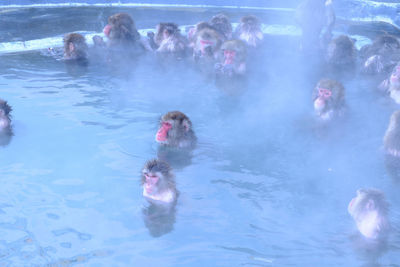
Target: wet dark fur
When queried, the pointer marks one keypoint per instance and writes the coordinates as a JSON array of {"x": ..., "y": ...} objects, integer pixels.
[
  {"x": 178, "y": 133},
  {"x": 81, "y": 48},
  {"x": 221, "y": 23},
  {"x": 336, "y": 101}
]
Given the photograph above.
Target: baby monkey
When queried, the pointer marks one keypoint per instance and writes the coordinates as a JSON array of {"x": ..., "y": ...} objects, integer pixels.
[
  {"x": 392, "y": 84},
  {"x": 369, "y": 210},
  {"x": 176, "y": 130},
  {"x": 158, "y": 181}
]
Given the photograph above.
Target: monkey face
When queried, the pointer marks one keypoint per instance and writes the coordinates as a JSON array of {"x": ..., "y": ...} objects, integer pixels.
[
  {"x": 323, "y": 99},
  {"x": 395, "y": 77},
  {"x": 354, "y": 203},
  {"x": 207, "y": 47},
  {"x": 151, "y": 181},
  {"x": 229, "y": 56},
  {"x": 107, "y": 30},
  {"x": 162, "y": 133}
]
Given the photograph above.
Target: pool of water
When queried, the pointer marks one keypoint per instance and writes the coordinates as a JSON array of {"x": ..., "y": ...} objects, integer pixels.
[{"x": 265, "y": 186}]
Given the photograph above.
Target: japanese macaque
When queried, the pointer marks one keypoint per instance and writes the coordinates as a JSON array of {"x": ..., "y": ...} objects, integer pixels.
[
  {"x": 75, "y": 47},
  {"x": 391, "y": 140},
  {"x": 369, "y": 210},
  {"x": 381, "y": 55},
  {"x": 234, "y": 54},
  {"x": 176, "y": 131},
  {"x": 168, "y": 39},
  {"x": 98, "y": 42},
  {"x": 158, "y": 182},
  {"x": 207, "y": 43},
  {"x": 316, "y": 19},
  {"x": 328, "y": 98},
  {"x": 221, "y": 24},
  {"x": 122, "y": 34},
  {"x": 249, "y": 31},
  {"x": 392, "y": 84},
  {"x": 192, "y": 31},
  {"x": 341, "y": 52},
  {"x": 5, "y": 117}
]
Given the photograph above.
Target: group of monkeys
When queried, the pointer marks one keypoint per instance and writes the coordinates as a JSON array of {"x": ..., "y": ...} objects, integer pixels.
[{"x": 215, "y": 45}]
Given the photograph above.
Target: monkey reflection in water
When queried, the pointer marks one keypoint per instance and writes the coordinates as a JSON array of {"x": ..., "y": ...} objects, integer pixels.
[
  {"x": 159, "y": 189},
  {"x": 5, "y": 123}
]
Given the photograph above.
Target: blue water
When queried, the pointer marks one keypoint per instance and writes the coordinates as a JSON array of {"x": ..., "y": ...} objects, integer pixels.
[{"x": 264, "y": 187}]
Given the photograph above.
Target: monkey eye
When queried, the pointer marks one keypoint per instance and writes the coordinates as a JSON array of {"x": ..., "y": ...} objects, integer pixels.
[
  {"x": 150, "y": 175},
  {"x": 206, "y": 42},
  {"x": 167, "y": 124},
  {"x": 324, "y": 92},
  {"x": 229, "y": 52}
]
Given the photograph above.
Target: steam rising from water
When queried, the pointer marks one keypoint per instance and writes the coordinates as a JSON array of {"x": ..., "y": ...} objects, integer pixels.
[{"x": 265, "y": 184}]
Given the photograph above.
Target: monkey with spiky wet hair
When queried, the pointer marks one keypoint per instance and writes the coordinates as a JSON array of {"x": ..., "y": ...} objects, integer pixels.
[
  {"x": 221, "y": 23},
  {"x": 158, "y": 181},
  {"x": 249, "y": 31}
]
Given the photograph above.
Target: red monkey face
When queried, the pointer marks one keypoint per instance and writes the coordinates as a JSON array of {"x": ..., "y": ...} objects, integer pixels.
[
  {"x": 107, "y": 30},
  {"x": 323, "y": 96},
  {"x": 229, "y": 56},
  {"x": 395, "y": 77},
  {"x": 162, "y": 133}
]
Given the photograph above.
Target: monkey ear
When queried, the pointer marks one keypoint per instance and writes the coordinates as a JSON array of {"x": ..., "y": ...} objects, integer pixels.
[
  {"x": 370, "y": 204},
  {"x": 186, "y": 125}
]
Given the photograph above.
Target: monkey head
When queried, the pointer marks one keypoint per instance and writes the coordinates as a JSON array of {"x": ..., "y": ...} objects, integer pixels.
[
  {"x": 121, "y": 27},
  {"x": 249, "y": 30},
  {"x": 164, "y": 31},
  {"x": 75, "y": 46},
  {"x": 175, "y": 130},
  {"x": 386, "y": 44},
  {"x": 158, "y": 181},
  {"x": 341, "y": 51},
  {"x": 207, "y": 43},
  {"x": 328, "y": 96},
  {"x": 221, "y": 23},
  {"x": 391, "y": 140},
  {"x": 5, "y": 116},
  {"x": 369, "y": 210},
  {"x": 395, "y": 77},
  {"x": 234, "y": 52}
]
